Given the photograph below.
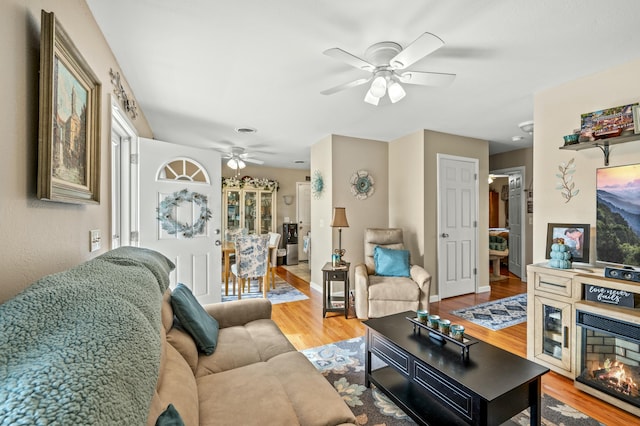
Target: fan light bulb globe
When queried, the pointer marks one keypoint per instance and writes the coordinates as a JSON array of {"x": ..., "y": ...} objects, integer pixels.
[
  {"x": 236, "y": 164},
  {"x": 370, "y": 99},
  {"x": 396, "y": 92},
  {"x": 378, "y": 87}
]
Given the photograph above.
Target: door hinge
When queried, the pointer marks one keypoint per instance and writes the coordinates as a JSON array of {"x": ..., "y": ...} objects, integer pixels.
[
  {"x": 134, "y": 158},
  {"x": 475, "y": 223},
  {"x": 134, "y": 236},
  {"x": 475, "y": 176},
  {"x": 475, "y": 271}
]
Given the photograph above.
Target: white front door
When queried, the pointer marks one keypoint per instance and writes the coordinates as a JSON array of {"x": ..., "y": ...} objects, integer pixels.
[
  {"x": 515, "y": 224},
  {"x": 175, "y": 181},
  {"x": 457, "y": 225},
  {"x": 303, "y": 216}
]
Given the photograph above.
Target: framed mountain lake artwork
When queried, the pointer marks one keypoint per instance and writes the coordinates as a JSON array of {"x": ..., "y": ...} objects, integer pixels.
[{"x": 69, "y": 120}]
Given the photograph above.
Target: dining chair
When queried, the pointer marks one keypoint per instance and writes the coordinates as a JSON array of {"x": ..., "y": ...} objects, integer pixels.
[
  {"x": 252, "y": 261},
  {"x": 274, "y": 242}
]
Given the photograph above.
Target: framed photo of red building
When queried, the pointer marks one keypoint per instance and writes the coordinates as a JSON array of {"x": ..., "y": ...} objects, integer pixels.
[{"x": 69, "y": 120}]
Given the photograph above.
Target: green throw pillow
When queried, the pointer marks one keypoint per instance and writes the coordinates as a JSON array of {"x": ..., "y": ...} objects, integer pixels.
[
  {"x": 170, "y": 417},
  {"x": 391, "y": 263},
  {"x": 202, "y": 327}
]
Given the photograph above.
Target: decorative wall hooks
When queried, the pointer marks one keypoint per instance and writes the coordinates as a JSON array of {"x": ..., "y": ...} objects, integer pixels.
[{"x": 129, "y": 105}]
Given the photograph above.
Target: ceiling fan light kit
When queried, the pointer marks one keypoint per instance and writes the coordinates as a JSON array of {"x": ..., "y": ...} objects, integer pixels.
[{"x": 384, "y": 61}]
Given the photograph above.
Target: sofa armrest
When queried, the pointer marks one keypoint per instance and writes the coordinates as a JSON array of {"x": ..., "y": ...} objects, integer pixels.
[
  {"x": 423, "y": 279},
  {"x": 239, "y": 312},
  {"x": 361, "y": 278}
]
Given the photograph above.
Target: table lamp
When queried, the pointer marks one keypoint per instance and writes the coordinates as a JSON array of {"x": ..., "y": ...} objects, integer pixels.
[{"x": 339, "y": 221}]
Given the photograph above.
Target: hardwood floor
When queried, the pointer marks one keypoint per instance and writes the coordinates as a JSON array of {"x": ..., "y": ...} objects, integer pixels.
[{"x": 304, "y": 326}]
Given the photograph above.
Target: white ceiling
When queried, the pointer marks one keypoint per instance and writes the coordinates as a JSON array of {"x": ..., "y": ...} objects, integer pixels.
[{"x": 200, "y": 68}]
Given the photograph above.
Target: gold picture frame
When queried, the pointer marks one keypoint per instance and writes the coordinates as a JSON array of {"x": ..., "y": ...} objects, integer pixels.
[{"x": 69, "y": 120}]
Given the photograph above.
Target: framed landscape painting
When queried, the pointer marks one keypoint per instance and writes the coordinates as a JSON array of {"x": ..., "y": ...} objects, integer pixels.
[{"x": 69, "y": 126}]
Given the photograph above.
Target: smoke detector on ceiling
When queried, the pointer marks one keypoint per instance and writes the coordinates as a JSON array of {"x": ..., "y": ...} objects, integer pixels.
[{"x": 526, "y": 126}]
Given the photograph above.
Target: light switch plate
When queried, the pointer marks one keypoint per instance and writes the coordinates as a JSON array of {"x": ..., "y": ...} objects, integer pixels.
[{"x": 95, "y": 240}]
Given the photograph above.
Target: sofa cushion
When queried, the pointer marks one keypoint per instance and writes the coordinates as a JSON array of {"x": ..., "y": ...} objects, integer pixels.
[
  {"x": 176, "y": 385},
  {"x": 238, "y": 346},
  {"x": 391, "y": 263},
  {"x": 393, "y": 288},
  {"x": 285, "y": 390},
  {"x": 194, "y": 319}
]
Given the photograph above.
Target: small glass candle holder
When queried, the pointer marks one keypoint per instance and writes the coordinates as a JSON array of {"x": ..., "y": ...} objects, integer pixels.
[
  {"x": 433, "y": 321},
  {"x": 423, "y": 316},
  {"x": 443, "y": 326},
  {"x": 457, "y": 332}
]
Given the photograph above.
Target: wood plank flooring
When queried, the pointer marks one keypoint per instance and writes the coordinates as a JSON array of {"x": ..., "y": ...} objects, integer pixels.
[{"x": 304, "y": 326}]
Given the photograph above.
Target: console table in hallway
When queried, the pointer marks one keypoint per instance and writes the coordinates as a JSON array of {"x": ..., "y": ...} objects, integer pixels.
[{"x": 433, "y": 385}]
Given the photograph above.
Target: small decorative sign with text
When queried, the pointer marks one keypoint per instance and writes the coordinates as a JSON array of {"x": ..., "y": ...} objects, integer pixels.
[{"x": 610, "y": 296}]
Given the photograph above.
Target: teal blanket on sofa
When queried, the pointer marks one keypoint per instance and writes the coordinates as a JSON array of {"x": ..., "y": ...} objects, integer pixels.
[{"x": 83, "y": 346}]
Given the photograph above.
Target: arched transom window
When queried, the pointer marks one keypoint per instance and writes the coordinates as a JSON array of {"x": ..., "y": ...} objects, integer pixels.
[{"x": 183, "y": 169}]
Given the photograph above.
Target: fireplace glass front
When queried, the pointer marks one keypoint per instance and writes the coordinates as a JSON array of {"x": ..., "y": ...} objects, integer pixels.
[{"x": 609, "y": 358}]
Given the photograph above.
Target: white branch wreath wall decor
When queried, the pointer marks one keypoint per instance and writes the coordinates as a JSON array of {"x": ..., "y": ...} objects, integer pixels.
[
  {"x": 170, "y": 223},
  {"x": 362, "y": 184}
]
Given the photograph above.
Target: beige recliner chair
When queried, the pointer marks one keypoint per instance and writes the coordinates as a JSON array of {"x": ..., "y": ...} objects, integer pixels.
[{"x": 377, "y": 296}]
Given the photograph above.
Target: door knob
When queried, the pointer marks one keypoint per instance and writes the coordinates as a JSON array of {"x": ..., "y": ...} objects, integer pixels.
[
  {"x": 218, "y": 243},
  {"x": 443, "y": 235}
]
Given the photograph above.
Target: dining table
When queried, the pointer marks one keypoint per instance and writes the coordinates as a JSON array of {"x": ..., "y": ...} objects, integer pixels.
[{"x": 229, "y": 247}]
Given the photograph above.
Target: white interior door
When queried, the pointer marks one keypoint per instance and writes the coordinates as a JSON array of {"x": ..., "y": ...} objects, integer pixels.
[
  {"x": 515, "y": 224},
  {"x": 165, "y": 170},
  {"x": 457, "y": 225},
  {"x": 303, "y": 216}
]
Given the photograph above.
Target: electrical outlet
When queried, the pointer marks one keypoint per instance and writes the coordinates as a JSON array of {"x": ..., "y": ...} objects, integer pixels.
[{"x": 95, "y": 240}]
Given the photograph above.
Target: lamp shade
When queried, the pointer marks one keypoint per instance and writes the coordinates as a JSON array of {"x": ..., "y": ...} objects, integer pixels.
[{"x": 339, "y": 218}]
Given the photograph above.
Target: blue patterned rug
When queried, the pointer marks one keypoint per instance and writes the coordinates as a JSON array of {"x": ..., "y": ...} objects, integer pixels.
[
  {"x": 497, "y": 314},
  {"x": 284, "y": 292},
  {"x": 342, "y": 363}
]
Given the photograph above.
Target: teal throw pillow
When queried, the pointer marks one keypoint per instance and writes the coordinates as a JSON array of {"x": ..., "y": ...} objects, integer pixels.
[
  {"x": 202, "y": 327},
  {"x": 391, "y": 263},
  {"x": 169, "y": 417}
]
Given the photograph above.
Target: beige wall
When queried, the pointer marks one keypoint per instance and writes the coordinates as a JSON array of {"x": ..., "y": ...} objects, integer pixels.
[
  {"x": 556, "y": 113},
  {"x": 321, "y": 210},
  {"x": 39, "y": 237},
  {"x": 286, "y": 178}
]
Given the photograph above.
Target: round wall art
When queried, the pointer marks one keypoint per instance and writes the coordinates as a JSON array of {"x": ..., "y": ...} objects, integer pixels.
[
  {"x": 362, "y": 184},
  {"x": 317, "y": 184}
]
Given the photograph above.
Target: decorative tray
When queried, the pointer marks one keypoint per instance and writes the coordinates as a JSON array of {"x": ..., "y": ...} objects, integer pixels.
[{"x": 442, "y": 338}]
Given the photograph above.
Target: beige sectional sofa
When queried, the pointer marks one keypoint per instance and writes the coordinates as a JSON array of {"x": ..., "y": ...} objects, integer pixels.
[
  {"x": 98, "y": 345},
  {"x": 254, "y": 377}
]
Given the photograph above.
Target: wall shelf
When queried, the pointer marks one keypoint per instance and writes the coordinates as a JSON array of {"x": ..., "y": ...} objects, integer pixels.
[{"x": 603, "y": 144}]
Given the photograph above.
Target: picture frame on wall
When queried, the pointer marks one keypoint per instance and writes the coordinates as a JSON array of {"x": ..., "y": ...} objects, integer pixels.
[
  {"x": 69, "y": 120},
  {"x": 575, "y": 235}
]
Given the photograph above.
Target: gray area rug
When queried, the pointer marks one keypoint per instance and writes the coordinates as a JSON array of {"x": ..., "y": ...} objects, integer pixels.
[
  {"x": 497, "y": 314},
  {"x": 342, "y": 363},
  {"x": 284, "y": 292}
]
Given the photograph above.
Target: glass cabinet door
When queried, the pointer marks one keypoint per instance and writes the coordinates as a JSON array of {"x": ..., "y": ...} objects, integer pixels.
[
  {"x": 266, "y": 212},
  {"x": 232, "y": 202},
  {"x": 553, "y": 332},
  {"x": 250, "y": 211}
]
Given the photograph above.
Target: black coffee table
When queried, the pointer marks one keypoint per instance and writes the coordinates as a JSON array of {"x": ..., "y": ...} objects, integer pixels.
[{"x": 434, "y": 385}]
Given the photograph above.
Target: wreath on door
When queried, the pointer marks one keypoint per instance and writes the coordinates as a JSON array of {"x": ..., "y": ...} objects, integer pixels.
[{"x": 167, "y": 209}]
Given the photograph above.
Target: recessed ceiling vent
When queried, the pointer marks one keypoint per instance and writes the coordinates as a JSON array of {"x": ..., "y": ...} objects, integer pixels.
[{"x": 245, "y": 130}]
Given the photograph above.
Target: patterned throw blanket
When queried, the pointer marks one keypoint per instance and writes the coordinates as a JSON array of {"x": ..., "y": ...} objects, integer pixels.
[{"x": 83, "y": 346}]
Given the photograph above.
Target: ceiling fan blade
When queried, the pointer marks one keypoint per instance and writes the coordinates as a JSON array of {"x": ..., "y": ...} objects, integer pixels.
[
  {"x": 422, "y": 46},
  {"x": 427, "y": 78},
  {"x": 345, "y": 86},
  {"x": 252, "y": 160},
  {"x": 350, "y": 59}
]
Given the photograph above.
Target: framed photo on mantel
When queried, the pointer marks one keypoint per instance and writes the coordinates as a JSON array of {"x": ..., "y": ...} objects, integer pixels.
[{"x": 69, "y": 120}]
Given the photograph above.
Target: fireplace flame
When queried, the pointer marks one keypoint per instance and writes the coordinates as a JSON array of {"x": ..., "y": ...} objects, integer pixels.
[{"x": 614, "y": 375}]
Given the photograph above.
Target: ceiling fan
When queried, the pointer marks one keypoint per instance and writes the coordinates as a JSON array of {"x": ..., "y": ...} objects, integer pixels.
[
  {"x": 238, "y": 158},
  {"x": 387, "y": 62}
]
